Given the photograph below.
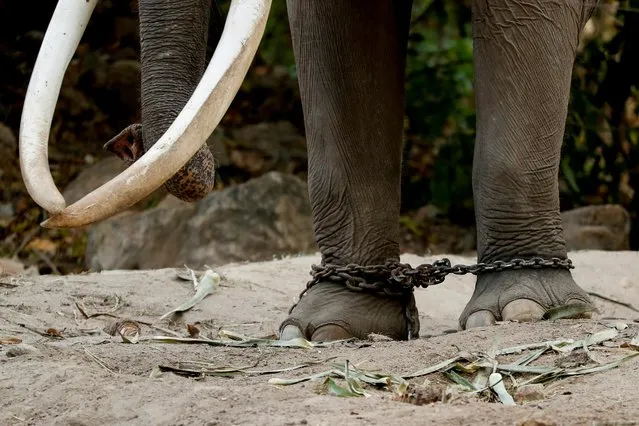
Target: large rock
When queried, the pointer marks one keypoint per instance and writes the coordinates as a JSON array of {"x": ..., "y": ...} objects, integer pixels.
[
  {"x": 605, "y": 227},
  {"x": 265, "y": 217},
  {"x": 92, "y": 177},
  {"x": 265, "y": 147}
]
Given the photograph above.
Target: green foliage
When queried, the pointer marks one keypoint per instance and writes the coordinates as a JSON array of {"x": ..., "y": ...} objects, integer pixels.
[
  {"x": 440, "y": 108},
  {"x": 600, "y": 162},
  {"x": 276, "y": 47}
]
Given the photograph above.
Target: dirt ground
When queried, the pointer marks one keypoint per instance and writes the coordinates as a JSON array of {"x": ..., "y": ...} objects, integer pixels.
[{"x": 87, "y": 377}]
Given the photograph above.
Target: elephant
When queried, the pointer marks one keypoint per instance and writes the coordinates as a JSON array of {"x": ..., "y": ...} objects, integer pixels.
[{"x": 350, "y": 57}]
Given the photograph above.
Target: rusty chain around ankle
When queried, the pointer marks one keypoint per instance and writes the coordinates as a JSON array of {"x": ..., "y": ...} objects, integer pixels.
[{"x": 398, "y": 279}]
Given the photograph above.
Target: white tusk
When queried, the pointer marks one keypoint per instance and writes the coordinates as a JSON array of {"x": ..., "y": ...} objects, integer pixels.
[
  {"x": 67, "y": 25},
  {"x": 222, "y": 79}
]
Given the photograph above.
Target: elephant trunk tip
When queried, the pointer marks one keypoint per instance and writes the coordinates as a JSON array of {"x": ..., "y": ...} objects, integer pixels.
[{"x": 196, "y": 179}]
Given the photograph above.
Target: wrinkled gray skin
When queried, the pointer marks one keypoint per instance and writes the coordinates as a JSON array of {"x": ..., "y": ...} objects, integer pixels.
[{"x": 350, "y": 58}]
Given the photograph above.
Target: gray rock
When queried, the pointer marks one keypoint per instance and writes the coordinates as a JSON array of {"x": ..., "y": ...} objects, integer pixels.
[
  {"x": 92, "y": 177},
  {"x": 605, "y": 227},
  {"x": 265, "y": 147},
  {"x": 265, "y": 217}
]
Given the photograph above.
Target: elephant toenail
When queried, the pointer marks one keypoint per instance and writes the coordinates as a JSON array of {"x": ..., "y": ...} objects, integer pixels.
[
  {"x": 329, "y": 332},
  {"x": 480, "y": 319},
  {"x": 291, "y": 332},
  {"x": 523, "y": 310}
]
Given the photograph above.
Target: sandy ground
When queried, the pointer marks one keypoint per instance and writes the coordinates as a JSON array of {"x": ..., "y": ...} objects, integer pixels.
[{"x": 88, "y": 377}]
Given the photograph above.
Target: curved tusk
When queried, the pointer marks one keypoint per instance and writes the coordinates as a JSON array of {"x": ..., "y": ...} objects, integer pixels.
[
  {"x": 67, "y": 25},
  {"x": 197, "y": 120}
]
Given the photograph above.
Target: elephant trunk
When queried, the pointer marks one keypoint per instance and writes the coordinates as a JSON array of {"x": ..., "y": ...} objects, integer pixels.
[
  {"x": 173, "y": 38},
  {"x": 184, "y": 136}
]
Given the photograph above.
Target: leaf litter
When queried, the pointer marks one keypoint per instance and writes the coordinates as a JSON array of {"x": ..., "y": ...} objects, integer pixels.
[
  {"x": 471, "y": 374},
  {"x": 478, "y": 373}
]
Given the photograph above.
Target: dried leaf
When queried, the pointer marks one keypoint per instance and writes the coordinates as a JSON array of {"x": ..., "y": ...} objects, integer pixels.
[
  {"x": 129, "y": 331},
  {"x": 248, "y": 343},
  {"x": 187, "y": 274},
  {"x": 193, "y": 330},
  {"x": 588, "y": 370},
  {"x": 433, "y": 369},
  {"x": 52, "y": 332},
  {"x": 285, "y": 382},
  {"x": 533, "y": 369},
  {"x": 620, "y": 326},
  {"x": 193, "y": 368},
  {"x": 547, "y": 344},
  {"x": 204, "y": 287},
  {"x": 528, "y": 358},
  {"x": 593, "y": 339},
  {"x": 496, "y": 383}
]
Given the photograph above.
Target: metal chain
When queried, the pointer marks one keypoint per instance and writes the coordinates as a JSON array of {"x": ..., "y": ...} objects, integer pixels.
[{"x": 396, "y": 279}]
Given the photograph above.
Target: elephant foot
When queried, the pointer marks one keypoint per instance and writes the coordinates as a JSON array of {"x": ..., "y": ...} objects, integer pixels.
[
  {"x": 524, "y": 295},
  {"x": 330, "y": 311}
]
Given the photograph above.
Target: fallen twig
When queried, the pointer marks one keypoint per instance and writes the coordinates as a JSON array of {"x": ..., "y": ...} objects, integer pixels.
[
  {"x": 99, "y": 361},
  {"x": 246, "y": 343},
  {"x": 110, "y": 315},
  {"x": 8, "y": 283},
  {"x": 198, "y": 369},
  {"x": 615, "y": 301}
]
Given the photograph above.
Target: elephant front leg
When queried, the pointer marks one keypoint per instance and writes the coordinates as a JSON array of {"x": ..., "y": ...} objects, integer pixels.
[
  {"x": 524, "y": 55},
  {"x": 350, "y": 61}
]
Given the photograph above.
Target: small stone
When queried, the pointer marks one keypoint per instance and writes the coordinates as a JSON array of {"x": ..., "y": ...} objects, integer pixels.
[
  {"x": 21, "y": 349},
  {"x": 528, "y": 393}
]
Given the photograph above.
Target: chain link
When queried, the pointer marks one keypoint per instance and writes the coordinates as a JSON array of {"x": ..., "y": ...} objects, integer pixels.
[{"x": 397, "y": 279}]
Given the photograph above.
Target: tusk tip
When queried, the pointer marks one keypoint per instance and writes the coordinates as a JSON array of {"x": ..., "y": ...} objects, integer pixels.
[
  {"x": 48, "y": 224},
  {"x": 59, "y": 221}
]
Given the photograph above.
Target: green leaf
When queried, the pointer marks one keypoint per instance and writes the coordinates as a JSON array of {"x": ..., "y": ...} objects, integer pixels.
[
  {"x": 334, "y": 389},
  {"x": 575, "y": 310},
  {"x": 460, "y": 380},
  {"x": 432, "y": 369}
]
